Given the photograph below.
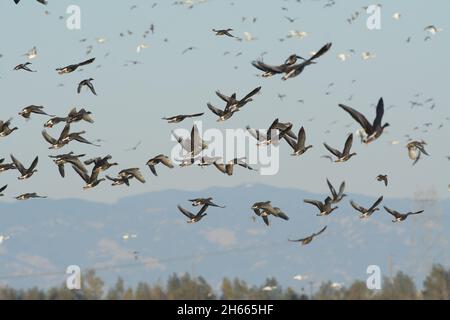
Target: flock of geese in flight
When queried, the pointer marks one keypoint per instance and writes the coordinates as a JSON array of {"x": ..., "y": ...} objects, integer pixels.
[{"x": 91, "y": 170}]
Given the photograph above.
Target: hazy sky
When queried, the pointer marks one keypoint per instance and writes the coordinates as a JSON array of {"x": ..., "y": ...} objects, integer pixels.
[{"x": 131, "y": 100}]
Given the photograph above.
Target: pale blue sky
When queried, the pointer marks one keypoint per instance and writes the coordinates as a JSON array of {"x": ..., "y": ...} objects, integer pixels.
[{"x": 132, "y": 100}]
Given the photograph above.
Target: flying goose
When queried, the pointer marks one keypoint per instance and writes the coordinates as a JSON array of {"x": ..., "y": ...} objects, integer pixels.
[
  {"x": 289, "y": 69},
  {"x": 235, "y": 104},
  {"x": 204, "y": 201},
  {"x": 73, "y": 67},
  {"x": 280, "y": 129},
  {"x": 308, "y": 240},
  {"x": 224, "y": 32},
  {"x": 91, "y": 180},
  {"x": 27, "y": 111},
  {"x": 24, "y": 66},
  {"x": 298, "y": 145},
  {"x": 6, "y": 166},
  {"x": 76, "y": 116},
  {"x": 5, "y": 130},
  {"x": 373, "y": 131},
  {"x": 193, "y": 218},
  {"x": 27, "y": 196},
  {"x": 86, "y": 83},
  {"x": 40, "y": 1},
  {"x": 228, "y": 167},
  {"x": 120, "y": 180},
  {"x": 54, "y": 121},
  {"x": 125, "y": 176},
  {"x": 132, "y": 173},
  {"x": 77, "y": 137},
  {"x": 384, "y": 178},
  {"x": 400, "y": 216},
  {"x": 163, "y": 159},
  {"x": 336, "y": 197},
  {"x": 345, "y": 155},
  {"x": 365, "y": 213},
  {"x": 193, "y": 145},
  {"x": 325, "y": 207},
  {"x": 74, "y": 160},
  {"x": 61, "y": 141},
  {"x": 3, "y": 189},
  {"x": 181, "y": 117},
  {"x": 25, "y": 173},
  {"x": 264, "y": 209},
  {"x": 101, "y": 164}
]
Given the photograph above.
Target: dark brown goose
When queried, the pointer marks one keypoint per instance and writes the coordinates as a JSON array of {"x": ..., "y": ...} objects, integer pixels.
[
  {"x": 372, "y": 131},
  {"x": 365, "y": 213},
  {"x": 399, "y": 217},
  {"x": 309, "y": 239},
  {"x": 73, "y": 67},
  {"x": 345, "y": 155},
  {"x": 25, "y": 173}
]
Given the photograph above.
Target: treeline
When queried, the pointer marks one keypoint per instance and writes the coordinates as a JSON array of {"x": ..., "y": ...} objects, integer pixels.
[{"x": 401, "y": 287}]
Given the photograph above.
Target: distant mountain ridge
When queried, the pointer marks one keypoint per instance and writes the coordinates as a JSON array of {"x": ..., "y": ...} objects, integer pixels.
[{"x": 48, "y": 235}]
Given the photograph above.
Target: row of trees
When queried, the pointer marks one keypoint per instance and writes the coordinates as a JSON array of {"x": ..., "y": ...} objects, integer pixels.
[{"x": 401, "y": 287}]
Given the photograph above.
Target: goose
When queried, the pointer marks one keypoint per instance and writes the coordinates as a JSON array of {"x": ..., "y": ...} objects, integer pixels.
[
  {"x": 27, "y": 196},
  {"x": 54, "y": 121},
  {"x": 373, "y": 131},
  {"x": 384, "y": 178},
  {"x": 224, "y": 32},
  {"x": 365, "y": 213},
  {"x": 24, "y": 66},
  {"x": 325, "y": 207},
  {"x": 336, "y": 196},
  {"x": 77, "y": 137},
  {"x": 234, "y": 104},
  {"x": 40, "y": 1},
  {"x": 61, "y": 141},
  {"x": 101, "y": 164},
  {"x": 71, "y": 158},
  {"x": 228, "y": 167},
  {"x": 289, "y": 70},
  {"x": 3, "y": 189},
  {"x": 193, "y": 145},
  {"x": 161, "y": 158},
  {"x": 281, "y": 130},
  {"x": 223, "y": 114},
  {"x": 125, "y": 176},
  {"x": 264, "y": 209},
  {"x": 86, "y": 83},
  {"x": 193, "y": 218},
  {"x": 73, "y": 67},
  {"x": 203, "y": 201},
  {"x": 120, "y": 180},
  {"x": 6, "y": 166},
  {"x": 76, "y": 116},
  {"x": 91, "y": 180},
  {"x": 5, "y": 129},
  {"x": 181, "y": 117},
  {"x": 25, "y": 173},
  {"x": 309, "y": 239},
  {"x": 401, "y": 216},
  {"x": 132, "y": 173},
  {"x": 345, "y": 155},
  {"x": 298, "y": 145},
  {"x": 27, "y": 111}
]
